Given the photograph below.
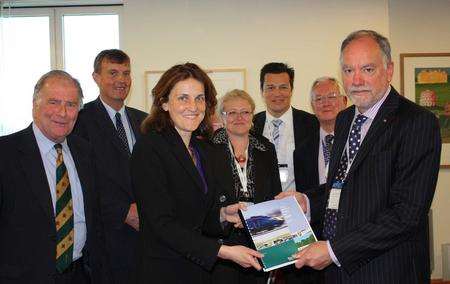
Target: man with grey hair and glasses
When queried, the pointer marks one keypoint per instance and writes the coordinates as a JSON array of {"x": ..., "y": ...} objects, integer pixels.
[
  {"x": 381, "y": 179},
  {"x": 49, "y": 228}
]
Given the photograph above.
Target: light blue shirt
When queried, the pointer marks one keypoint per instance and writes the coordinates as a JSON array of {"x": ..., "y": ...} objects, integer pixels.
[
  {"x": 49, "y": 155},
  {"x": 126, "y": 124}
]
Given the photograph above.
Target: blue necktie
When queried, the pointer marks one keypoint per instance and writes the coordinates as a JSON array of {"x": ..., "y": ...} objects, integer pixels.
[
  {"x": 326, "y": 145},
  {"x": 354, "y": 141}
]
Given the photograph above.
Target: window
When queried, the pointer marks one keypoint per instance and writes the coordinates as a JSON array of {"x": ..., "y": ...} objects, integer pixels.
[{"x": 35, "y": 40}]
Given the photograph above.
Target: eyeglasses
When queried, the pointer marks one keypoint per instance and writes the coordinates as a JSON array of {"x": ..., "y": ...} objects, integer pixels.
[
  {"x": 281, "y": 88},
  {"x": 330, "y": 98},
  {"x": 234, "y": 114}
]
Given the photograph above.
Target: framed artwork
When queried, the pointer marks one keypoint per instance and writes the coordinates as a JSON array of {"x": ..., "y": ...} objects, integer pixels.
[
  {"x": 425, "y": 80},
  {"x": 223, "y": 79}
]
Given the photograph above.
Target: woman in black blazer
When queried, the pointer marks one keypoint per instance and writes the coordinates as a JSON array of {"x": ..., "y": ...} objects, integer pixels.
[
  {"x": 249, "y": 168},
  {"x": 175, "y": 188}
]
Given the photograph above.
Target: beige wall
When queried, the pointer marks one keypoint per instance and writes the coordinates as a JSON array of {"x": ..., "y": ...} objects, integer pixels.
[{"x": 306, "y": 34}]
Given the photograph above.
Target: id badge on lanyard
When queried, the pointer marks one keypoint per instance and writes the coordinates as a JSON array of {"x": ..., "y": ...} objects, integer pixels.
[
  {"x": 336, "y": 188},
  {"x": 284, "y": 172}
]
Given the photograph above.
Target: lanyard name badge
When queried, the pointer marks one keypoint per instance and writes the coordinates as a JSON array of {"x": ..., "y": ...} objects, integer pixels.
[
  {"x": 242, "y": 171},
  {"x": 284, "y": 173},
  {"x": 336, "y": 188}
]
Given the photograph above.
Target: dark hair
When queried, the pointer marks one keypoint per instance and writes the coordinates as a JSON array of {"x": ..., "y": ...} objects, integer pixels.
[
  {"x": 276, "y": 68},
  {"x": 159, "y": 119},
  {"x": 111, "y": 55},
  {"x": 382, "y": 42}
]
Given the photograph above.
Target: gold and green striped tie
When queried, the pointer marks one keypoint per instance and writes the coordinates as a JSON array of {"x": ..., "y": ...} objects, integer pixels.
[{"x": 64, "y": 214}]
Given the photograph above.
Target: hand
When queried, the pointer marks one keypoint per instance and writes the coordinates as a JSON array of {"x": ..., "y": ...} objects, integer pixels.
[
  {"x": 230, "y": 214},
  {"x": 301, "y": 199},
  {"x": 132, "y": 218},
  {"x": 315, "y": 255},
  {"x": 243, "y": 256}
]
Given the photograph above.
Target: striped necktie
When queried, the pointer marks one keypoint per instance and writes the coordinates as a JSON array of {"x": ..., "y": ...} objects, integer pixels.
[
  {"x": 276, "y": 131},
  {"x": 121, "y": 133},
  {"x": 64, "y": 214}
]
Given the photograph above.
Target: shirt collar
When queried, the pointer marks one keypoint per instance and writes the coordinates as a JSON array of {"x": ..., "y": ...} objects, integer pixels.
[
  {"x": 46, "y": 145},
  {"x": 372, "y": 112},
  {"x": 323, "y": 133},
  {"x": 112, "y": 112},
  {"x": 285, "y": 117}
]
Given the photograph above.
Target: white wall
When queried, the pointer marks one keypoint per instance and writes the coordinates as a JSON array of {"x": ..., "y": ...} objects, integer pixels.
[
  {"x": 246, "y": 34},
  {"x": 304, "y": 33},
  {"x": 424, "y": 26}
]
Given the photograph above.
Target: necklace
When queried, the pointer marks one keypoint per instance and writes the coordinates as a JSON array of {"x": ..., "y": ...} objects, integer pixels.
[{"x": 241, "y": 158}]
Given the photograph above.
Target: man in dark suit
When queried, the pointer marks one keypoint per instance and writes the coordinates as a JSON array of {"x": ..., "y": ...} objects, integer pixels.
[
  {"x": 49, "y": 230},
  {"x": 112, "y": 129},
  {"x": 286, "y": 127},
  {"x": 312, "y": 158},
  {"x": 383, "y": 171}
]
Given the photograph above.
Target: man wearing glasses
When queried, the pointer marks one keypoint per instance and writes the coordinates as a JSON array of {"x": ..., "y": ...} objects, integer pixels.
[
  {"x": 326, "y": 101},
  {"x": 286, "y": 127}
]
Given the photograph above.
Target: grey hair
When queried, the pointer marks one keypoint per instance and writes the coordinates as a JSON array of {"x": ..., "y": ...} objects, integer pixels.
[
  {"x": 326, "y": 79},
  {"x": 382, "y": 42},
  {"x": 57, "y": 74}
]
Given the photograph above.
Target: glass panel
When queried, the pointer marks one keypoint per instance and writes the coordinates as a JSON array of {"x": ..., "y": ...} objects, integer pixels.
[
  {"x": 84, "y": 37},
  {"x": 24, "y": 57}
]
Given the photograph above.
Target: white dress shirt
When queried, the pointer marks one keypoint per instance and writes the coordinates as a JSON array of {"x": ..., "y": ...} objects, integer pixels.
[
  {"x": 49, "y": 155},
  {"x": 286, "y": 145},
  {"x": 126, "y": 124}
]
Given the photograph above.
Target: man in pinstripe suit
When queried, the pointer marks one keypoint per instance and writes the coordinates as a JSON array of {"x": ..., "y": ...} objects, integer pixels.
[{"x": 383, "y": 172}]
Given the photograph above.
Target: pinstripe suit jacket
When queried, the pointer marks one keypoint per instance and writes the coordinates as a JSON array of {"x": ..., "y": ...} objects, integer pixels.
[{"x": 382, "y": 229}]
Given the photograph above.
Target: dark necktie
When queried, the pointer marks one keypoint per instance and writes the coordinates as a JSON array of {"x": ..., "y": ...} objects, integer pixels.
[
  {"x": 121, "y": 133},
  {"x": 354, "y": 141},
  {"x": 326, "y": 145},
  {"x": 64, "y": 214}
]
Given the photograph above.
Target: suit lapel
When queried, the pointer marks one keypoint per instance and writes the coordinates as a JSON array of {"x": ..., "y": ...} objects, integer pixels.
[
  {"x": 34, "y": 170},
  {"x": 340, "y": 139},
  {"x": 260, "y": 120},
  {"x": 134, "y": 122},
  {"x": 106, "y": 125},
  {"x": 379, "y": 125},
  {"x": 315, "y": 141},
  {"x": 181, "y": 154}
]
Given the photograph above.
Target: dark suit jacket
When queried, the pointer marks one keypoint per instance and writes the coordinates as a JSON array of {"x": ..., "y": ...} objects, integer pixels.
[
  {"x": 27, "y": 221},
  {"x": 306, "y": 171},
  {"x": 306, "y": 166},
  {"x": 267, "y": 185},
  {"x": 112, "y": 170},
  {"x": 382, "y": 234},
  {"x": 175, "y": 211},
  {"x": 304, "y": 125}
]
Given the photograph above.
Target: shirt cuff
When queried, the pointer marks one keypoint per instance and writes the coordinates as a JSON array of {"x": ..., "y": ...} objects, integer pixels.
[
  {"x": 332, "y": 255},
  {"x": 308, "y": 208}
]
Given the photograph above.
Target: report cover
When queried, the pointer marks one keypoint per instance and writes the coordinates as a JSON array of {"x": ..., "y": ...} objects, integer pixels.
[{"x": 279, "y": 229}]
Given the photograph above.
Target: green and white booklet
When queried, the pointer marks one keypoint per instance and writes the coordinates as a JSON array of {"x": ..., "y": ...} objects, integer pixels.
[{"x": 278, "y": 229}]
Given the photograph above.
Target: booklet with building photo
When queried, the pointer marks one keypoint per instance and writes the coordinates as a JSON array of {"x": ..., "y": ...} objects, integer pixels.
[{"x": 278, "y": 229}]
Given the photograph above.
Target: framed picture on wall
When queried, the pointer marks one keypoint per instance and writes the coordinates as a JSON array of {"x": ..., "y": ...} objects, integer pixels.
[
  {"x": 425, "y": 80},
  {"x": 223, "y": 79}
]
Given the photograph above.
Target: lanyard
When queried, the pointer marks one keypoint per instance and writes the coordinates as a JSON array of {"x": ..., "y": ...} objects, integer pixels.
[{"x": 242, "y": 172}]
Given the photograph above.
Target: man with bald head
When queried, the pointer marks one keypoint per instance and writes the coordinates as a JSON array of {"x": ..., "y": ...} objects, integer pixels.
[
  {"x": 381, "y": 179},
  {"x": 49, "y": 230}
]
